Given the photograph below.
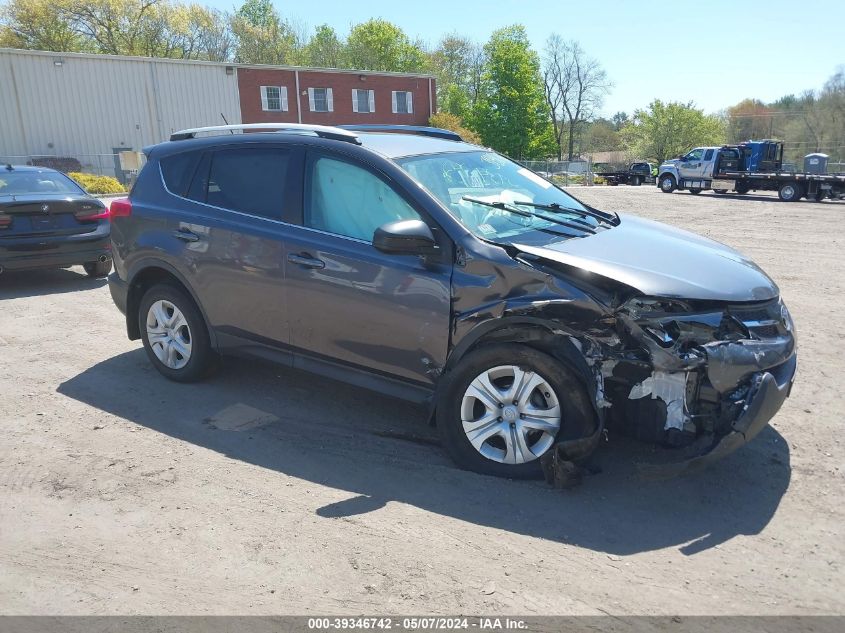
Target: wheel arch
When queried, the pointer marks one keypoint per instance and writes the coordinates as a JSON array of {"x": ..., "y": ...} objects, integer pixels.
[
  {"x": 540, "y": 334},
  {"x": 145, "y": 276}
]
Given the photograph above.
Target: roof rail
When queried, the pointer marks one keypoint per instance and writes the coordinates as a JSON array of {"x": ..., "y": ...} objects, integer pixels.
[
  {"x": 323, "y": 131},
  {"x": 422, "y": 130}
]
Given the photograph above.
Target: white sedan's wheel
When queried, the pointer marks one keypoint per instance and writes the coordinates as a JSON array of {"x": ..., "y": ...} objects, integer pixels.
[
  {"x": 510, "y": 415},
  {"x": 169, "y": 334}
]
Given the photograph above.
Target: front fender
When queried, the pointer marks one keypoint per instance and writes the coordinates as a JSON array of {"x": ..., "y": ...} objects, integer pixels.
[{"x": 667, "y": 169}]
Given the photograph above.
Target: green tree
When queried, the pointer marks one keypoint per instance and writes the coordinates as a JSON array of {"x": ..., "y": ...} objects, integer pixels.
[
  {"x": 262, "y": 36},
  {"x": 114, "y": 27},
  {"x": 665, "y": 130},
  {"x": 325, "y": 49},
  {"x": 380, "y": 45},
  {"x": 455, "y": 100},
  {"x": 511, "y": 113},
  {"x": 457, "y": 63},
  {"x": 38, "y": 25},
  {"x": 749, "y": 119}
]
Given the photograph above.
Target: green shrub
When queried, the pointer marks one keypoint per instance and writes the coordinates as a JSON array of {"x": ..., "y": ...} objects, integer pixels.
[
  {"x": 97, "y": 184},
  {"x": 448, "y": 121}
]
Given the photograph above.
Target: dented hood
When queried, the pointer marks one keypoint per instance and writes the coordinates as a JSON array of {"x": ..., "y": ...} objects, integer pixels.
[{"x": 663, "y": 261}]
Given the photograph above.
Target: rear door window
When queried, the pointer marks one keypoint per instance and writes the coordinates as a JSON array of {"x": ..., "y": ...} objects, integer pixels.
[
  {"x": 708, "y": 155},
  {"x": 178, "y": 170},
  {"x": 248, "y": 180}
]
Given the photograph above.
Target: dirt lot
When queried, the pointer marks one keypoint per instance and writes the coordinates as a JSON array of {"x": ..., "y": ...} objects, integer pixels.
[{"x": 268, "y": 491}]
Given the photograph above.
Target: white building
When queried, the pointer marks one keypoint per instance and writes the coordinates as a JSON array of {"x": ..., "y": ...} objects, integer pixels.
[{"x": 90, "y": 107}]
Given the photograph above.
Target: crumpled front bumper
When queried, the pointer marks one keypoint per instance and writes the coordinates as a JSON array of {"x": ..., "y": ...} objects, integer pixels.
[{"x": 767, "y": 393}]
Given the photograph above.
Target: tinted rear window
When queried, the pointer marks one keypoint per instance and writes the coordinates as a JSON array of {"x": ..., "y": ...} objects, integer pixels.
[
  {"x": 178, "y": 171},
  {"x": 249, "y": 180}
]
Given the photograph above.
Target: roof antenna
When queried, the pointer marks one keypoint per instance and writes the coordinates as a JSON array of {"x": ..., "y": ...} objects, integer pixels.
[{"x": 223, "y": 116}]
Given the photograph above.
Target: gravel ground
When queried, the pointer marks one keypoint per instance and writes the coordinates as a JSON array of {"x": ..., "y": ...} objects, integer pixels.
[{"x": 264, "y": 490}]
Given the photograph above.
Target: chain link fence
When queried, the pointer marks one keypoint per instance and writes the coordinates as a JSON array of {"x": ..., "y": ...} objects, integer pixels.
[{"x": 563, "y": 172}]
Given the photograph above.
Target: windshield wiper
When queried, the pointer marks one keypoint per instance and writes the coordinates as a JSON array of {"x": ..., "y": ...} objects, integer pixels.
[
  {"x": 586, "y": 228},
  {"x": 601, "y": 216}
]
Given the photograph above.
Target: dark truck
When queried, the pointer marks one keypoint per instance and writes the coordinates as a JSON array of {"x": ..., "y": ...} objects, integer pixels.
[
  {"x": 636, "y": 174},
  {"x": 749, "y": 166}
]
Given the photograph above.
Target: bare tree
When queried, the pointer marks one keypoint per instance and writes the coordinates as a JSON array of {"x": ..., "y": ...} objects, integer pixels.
[{"x": 575, "y": 85}]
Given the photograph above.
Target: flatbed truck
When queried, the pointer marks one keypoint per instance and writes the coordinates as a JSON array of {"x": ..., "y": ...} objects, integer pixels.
[{"x": 751, "y": 166}]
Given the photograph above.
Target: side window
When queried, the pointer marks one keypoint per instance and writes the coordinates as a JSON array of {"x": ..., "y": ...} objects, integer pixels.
[
  {"x": 708, "y": 155},
  {"x": 351, "y": 201},
  {"x": 178, "y": 170},
  {"x": 249, "y": 180},
  {"x": 695, "y": 154}
]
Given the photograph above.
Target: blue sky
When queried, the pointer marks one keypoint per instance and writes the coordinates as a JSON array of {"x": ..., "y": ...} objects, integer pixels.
[{"x": 712, "y": 52}]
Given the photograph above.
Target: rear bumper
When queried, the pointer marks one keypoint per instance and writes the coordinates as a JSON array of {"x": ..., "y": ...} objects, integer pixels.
[
  {"x": 119, "y": 291},
  {"x": 56, "y": 252}
]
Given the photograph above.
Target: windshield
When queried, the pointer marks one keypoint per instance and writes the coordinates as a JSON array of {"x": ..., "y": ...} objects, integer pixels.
[
  {"x": 18, "y": 183},
  {"x": 465, "y": 181}
]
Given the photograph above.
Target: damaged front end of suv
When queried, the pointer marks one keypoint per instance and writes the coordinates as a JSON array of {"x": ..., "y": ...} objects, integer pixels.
[{"x": 702, "y": 374}]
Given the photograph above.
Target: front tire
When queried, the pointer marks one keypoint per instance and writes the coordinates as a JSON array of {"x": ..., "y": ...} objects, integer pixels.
[
  {"x": 667, "y": 183},
  {"x": 695, "y": 191},
  {"x": 505, "y": 405},
  {"x": 174, "y": 334},
  {"x": 97, "y": 270}
]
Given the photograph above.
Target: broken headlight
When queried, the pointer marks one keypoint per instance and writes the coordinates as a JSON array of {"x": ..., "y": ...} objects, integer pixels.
[
  {"x": 645, "y": 307},
  {"x": 654, "y": 316}
]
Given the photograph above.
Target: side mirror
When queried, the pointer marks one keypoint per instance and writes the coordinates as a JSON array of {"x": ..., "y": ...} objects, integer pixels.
[{"x": 404, "y": 237}]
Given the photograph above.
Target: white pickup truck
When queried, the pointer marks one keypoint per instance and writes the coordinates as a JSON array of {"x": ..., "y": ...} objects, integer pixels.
[
  {"x": 693, "y": 171},
  {"x": 750, "y": 166}
]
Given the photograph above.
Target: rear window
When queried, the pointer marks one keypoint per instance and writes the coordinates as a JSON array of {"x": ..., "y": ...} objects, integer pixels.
[
  {"x": 249, "y": 180},
  {"x": 178, "y": 170},
  {"x": 17, "y": 183}
]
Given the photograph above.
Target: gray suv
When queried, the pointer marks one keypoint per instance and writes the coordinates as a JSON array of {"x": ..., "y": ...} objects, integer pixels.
[{"x": 406, "y": 261}]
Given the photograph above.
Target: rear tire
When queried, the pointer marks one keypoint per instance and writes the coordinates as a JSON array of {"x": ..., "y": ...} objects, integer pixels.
[
  {"x": 695, "y": 191},
  {"x": 97, "y": 270},
  {"x": 635, "y": 181},
  {"x": 667, "y": 183},
  {"x": 549, "y": 388},
  {"x": 721, "y": 192},
  {"x": 790, "y": 192},
  {"x": 180, "y": 348},
  {"x": 742, "y": 189}
]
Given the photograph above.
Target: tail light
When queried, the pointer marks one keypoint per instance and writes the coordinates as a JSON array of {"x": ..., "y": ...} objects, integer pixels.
[
  {"x": 121, "y": 208},
  {"x": 92, "y": 215},
  {"x": 5, "y": 221}
]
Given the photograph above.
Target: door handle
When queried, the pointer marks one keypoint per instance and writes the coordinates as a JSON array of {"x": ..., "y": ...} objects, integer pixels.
[
  {"x": 186, "y": 236},
  {"x": 304, "y": 260}
]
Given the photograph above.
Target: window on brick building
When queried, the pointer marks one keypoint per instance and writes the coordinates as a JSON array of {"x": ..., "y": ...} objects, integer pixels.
[
  {"x": 363, "y": 100},
  {"x": 274, "y": 98},
  {"x": 403, "y": 102},
  {"x": 320, "y": 100}
]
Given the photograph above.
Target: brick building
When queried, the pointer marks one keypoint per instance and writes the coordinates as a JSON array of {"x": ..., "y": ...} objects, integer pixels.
[{"x": 333, "y": 97}]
